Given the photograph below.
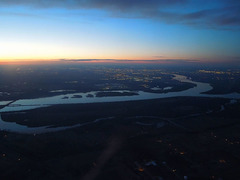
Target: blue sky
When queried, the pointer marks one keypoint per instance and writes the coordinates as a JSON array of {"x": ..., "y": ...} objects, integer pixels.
[{"x": 114, "y": 29}]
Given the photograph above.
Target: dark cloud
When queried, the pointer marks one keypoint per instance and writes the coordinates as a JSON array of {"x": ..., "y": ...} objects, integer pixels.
[
  {"x": 98, "y": 4},
  {"x": 157, "y": 61},
  {"x": 86, "y": 60},
  {"x": 222, "y": 14},
  {"x": 215, "y": 18}
]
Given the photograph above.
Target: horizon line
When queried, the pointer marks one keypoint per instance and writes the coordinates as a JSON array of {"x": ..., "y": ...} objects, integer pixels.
[{"x": 115, "y": 61}]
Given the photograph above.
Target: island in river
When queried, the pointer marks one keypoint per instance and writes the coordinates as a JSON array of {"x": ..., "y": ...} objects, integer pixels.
[{"x": 124, "y": 93}]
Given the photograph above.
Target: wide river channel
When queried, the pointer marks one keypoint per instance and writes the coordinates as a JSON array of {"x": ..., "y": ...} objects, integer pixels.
[{"x": 28, "y": 104}]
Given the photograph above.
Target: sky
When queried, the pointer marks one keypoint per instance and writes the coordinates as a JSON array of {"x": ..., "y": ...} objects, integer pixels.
[{"x": 190, "y": 30}]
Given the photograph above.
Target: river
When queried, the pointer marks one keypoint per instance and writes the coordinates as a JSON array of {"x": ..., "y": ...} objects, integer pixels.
[{"x": 28, "y": 104}]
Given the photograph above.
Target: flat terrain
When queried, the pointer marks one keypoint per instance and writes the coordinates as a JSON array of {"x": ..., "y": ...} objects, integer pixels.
[
  {"x": 166, "y": 138},
  {"x": 171, "y": 138}
]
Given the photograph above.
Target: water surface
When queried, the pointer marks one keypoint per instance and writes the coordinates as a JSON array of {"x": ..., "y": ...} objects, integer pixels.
[{"x": 28, "y": 104}]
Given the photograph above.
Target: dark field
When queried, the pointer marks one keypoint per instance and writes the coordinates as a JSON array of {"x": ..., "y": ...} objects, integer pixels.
[{"x": 169, "y": 139}]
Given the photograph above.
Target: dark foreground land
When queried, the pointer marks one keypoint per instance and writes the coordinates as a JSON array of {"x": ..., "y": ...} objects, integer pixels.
[{"x": 170, "y": 138}]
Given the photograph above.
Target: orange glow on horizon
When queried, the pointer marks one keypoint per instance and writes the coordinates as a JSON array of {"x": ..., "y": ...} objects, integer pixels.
[
  {"x": 135, "y": 60},
  {"x": 84, "y": 61}
]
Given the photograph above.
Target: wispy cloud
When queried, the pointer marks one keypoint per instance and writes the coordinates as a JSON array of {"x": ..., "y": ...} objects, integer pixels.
[
  {"x": 223, "y": 14},
  {"x": 158, "y": 56}
]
